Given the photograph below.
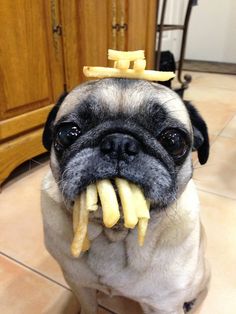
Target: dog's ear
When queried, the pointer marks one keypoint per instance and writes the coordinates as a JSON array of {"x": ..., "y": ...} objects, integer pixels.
[
  {"x": 47, "y": 133},
  {"x": 200, "y": 133}
]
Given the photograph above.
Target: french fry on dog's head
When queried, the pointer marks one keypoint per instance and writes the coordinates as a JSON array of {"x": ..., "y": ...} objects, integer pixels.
[
  {"x": 122, "y": 64},
  {"x": 149, "y": 75},
  {"x": 110, "y": 206},
  {"x": 139, "y": 65},
  {"x": 125, "y": 55},
  {"x": 121, "y": 68}
]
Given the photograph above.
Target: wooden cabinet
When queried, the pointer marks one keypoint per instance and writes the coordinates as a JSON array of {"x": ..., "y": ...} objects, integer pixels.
[
  {"x": 30, "y": 79},
  {"x": 43, "y": 47}
]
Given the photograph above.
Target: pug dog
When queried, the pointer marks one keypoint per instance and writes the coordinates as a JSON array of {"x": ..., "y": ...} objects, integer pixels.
[{"x": 142, "y": 132}]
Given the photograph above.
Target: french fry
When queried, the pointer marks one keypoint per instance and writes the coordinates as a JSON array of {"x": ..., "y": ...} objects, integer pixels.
[
  {"x": 75, "y": 214},
  {"x": 121, "y": 68},
  {"x": 150, "y": 75},
  {"x": 142, "y": 229},
  {"x": 126, "y": 197},
  {"x": 91, "y": 197},
  {"x": 125, "y": 55},
  {"x": 141, "y": 205},
  {"x": 110, "y": 206},
  {"x": 139, "y": 65},
  {"x": 142, "y": 210},
  {"x": 135, "y": 209},
  {"x": 81, "y": 230},
  {"x": 122, "y": 64},
  {"x": 86, "y": 244}
]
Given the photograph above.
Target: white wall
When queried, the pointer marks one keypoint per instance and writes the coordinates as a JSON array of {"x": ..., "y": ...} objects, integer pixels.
[{"x": 212, "y": 31}]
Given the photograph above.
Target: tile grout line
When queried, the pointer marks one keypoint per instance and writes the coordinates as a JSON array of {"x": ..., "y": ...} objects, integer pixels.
[
  {"x": 214, "y": 193},
  {"x": 215, "y": 87},
  {"x": 34, "y": 270},
  {"x": 22, "y": 176},
  {"x": 225, "y": 136},
  {"x": 217, "y": 135},
  {"x": 46, "y": 277},
  {"x": 226, "y": 127}
]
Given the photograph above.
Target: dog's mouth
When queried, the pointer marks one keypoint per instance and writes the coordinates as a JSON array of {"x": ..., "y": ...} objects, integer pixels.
[
  {"x": 97, "y": 215},
  {"x": 97, "y": 218},
  {"x": 116, "y": 203}
]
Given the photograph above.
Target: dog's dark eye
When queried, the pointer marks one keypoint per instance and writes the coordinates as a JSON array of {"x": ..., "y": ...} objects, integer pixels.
[
  {"x": 66, "y": 135},
  {"x": 174, "y": 142}
]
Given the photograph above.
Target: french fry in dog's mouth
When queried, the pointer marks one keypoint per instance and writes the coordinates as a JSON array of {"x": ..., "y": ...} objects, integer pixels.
[{"x": 134, "y": 206}]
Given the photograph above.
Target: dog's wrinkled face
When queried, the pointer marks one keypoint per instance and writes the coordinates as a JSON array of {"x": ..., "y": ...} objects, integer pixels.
[{"x": 132, "y": 129}]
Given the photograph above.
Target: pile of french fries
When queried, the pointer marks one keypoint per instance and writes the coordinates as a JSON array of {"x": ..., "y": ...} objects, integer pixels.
[
  {"x": 122, "y": 62},
  {"x": 134, "y": 205}
]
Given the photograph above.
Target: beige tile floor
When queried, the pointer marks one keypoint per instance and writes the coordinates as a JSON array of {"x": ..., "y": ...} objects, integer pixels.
[{"x": 31, "y": 281}]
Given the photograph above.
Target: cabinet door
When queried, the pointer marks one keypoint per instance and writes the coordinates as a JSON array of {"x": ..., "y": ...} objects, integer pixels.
[
  {"x": 135, "y": 22},
  {"x": 86, "y": 28},
  {"x": 141, "y": 31},
  {"x": 31, "y": 71}
]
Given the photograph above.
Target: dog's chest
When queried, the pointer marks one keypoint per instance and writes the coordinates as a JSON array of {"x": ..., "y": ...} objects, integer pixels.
[
  {"x": 110, "y": 262},
  {"x": 107, "y": 258},
  {"x": 123, "y": 268}
]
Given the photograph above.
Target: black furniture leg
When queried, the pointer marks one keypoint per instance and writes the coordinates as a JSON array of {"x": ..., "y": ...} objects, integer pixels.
[
  {"x": 187, "y": 78},
  {"x": 163, "y": 12}
]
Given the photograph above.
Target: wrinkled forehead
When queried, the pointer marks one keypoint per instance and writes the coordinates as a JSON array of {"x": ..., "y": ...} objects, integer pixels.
[{"x": 126, "y": 96}]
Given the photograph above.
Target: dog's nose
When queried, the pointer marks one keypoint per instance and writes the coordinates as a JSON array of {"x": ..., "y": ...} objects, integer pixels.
[{"x": 120, "y": 146}]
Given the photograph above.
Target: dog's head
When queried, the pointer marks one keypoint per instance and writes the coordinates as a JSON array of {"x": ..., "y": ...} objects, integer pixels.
[{"x": 133, "y": 129}]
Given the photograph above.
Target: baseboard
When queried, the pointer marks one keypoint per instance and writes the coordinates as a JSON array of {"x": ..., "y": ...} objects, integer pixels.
[{"x": 210, "y": 67}]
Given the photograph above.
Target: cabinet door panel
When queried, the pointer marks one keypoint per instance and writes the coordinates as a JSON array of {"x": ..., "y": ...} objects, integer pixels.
[
  {"x": 141, "y": 33},
  {"x": 25, "y": 67},
  {"x": 86, "y": 27}
]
